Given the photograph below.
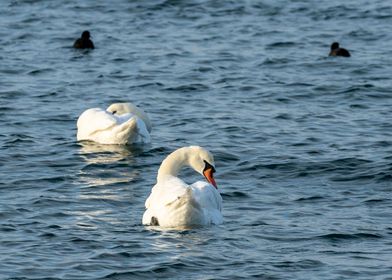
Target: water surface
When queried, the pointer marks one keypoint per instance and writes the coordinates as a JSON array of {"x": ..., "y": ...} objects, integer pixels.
[{"x": 302, "y": 142}]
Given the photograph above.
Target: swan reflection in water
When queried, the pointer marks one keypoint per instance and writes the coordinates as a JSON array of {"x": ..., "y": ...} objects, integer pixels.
[
  {"x": 106, "y": 175},
  {"x": 100, "y": 160}
]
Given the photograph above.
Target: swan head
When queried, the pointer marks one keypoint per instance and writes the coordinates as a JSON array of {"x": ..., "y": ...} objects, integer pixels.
[
  {"x": 203, "y": 162},
  {"x": 121, "y": 108},
  {"x": 124, "y": 108}
]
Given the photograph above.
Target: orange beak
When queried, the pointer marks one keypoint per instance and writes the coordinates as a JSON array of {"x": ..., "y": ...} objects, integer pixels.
[{"x": 208, "y": 173}]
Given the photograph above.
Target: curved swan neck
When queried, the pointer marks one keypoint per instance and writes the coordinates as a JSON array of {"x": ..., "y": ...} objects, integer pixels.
[
  {"x": 173, "y": 163},
  {"x": 193, "y": 156}
]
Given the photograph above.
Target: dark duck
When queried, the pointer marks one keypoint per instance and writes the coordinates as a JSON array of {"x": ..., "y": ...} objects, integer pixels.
[
  {"x": 338, "y": 51},
  {"x": 84, "y": 42}
]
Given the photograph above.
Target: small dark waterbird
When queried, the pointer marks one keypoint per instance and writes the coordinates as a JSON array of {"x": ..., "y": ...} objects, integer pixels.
[
  {"x": 84, "y": 41},
  {"x": 338, "y": 51}
]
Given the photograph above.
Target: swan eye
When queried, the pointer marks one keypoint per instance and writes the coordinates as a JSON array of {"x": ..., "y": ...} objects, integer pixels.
[
  {"x": 208, "y": 166},
  {"x": 114, "y": 112}
]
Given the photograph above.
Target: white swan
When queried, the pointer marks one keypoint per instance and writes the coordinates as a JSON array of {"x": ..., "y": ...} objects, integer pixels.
[
  {"x": 173, "y": 203},
  {"x": 121, "y": 123}
]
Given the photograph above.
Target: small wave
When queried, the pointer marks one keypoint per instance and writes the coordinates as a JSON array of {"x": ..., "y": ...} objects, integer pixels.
[
  {"x": 355, "y": 177},
  {"x": 8, "y": 228},
  {"x": 342, "y": 236},
  {"x": 49, "y": 94},
  {"x": 256, "y": 224},
  {"x": 359, "y": 106},
  {"x": 18, "y": 139},
  {"x": 383, "y": 176},
  {"x": 280, "y": 45},
  {"x": 276, "y": 61},
  {"x": 283, "y": 116},
  {"x": 345, "y": 169},
  {"x": 5, "y": 109},
  {"x": 188, "y": 88},
  {"x": 14, "y": 141},
  {"x": 147, "y": 85},
  {"x": 51, "y": 201},
  {"x": 235, "y": 194},
  {"x": 47, "y": 235},
  {"x": 204, "y": 69},
  {"x": 225, "y": 157},
  {"x": 302, "y": 264},
  {"x": 376, "y": 200},
  {"x": 310, "y": 198},
  {"x": 357, "y": 88},
  {"x": 164, "y": 269},
  {"x": 40, "y": 71}
]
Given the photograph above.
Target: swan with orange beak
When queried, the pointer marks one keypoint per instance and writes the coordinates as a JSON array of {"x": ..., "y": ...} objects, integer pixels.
[{"x": 173, "y": 203}]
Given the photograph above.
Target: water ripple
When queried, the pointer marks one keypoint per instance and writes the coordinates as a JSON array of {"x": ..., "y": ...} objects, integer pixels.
[{"x": 301, "y": 140}]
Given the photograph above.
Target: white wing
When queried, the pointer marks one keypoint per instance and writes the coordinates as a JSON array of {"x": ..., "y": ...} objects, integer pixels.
[
  {"x": 173, "y": 203},
  {"x": 105, "y": 128},
  {"x": 144, "y": 135},
  {"x": 210, "y": 201},
  {"x": 166, "y": 192},
  {"x": 92, "y": 121},
  {"x": 207, "y": 196}
]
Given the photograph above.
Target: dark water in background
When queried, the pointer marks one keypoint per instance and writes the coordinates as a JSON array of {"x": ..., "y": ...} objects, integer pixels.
[{"x": 302, "y": 142}]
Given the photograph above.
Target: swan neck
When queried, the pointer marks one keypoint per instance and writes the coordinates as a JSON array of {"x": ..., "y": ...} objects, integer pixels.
[{"x": 172, "y": 164}]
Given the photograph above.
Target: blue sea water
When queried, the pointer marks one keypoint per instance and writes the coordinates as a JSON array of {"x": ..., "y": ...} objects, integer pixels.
[{"x": 302, "y": 141}]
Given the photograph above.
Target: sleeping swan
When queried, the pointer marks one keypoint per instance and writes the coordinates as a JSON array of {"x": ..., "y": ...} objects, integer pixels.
[
  {"x": 173, "y": 203},
  {"x": 121, "y": 123}
]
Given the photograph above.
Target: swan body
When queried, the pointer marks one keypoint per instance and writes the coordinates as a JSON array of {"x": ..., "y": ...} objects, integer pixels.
[
  {"x": 121, "y": 123},
  {"x": 173, "y": 203}
]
